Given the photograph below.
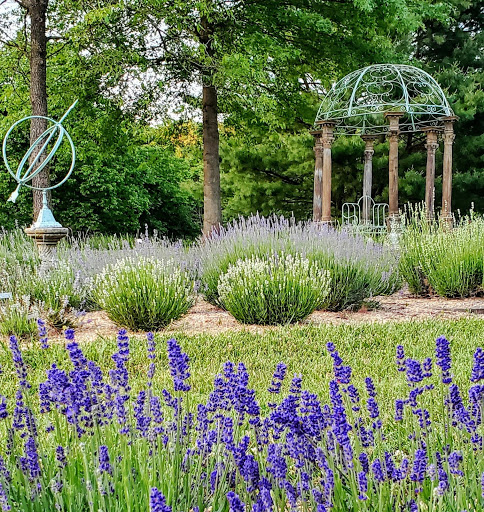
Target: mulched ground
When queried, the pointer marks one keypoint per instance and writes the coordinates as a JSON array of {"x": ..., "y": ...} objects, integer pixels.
[{"x": 205, "y": 318}]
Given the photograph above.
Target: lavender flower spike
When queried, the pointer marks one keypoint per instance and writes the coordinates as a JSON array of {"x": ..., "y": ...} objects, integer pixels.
[
  {"x": 158, "y": 501},
  {"x": 4, "y": 500},
  {"x": 400, "y": 358},
  {"x": 104, "y": 464},
  {"x": 478, "y": 366},
  {"x": 442, "y": 355},
  {"x": 42, "y": 330},
  {"x": 178, "y": 361},
  {"x": 235, "y": 503}
]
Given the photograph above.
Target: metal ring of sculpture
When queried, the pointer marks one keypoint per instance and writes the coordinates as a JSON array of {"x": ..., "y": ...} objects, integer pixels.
[
  {"x": 357, "y": 102},
  {"x": 21, "y": 176}
]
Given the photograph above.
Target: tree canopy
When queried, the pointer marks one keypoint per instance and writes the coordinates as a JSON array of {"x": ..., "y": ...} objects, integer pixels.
[{"x": 161, "y": 82}]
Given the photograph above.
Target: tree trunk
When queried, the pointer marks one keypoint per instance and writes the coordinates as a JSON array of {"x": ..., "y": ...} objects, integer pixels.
[
  {"x": 38, "y": 88},
  {"x": 212, "y": 209}
]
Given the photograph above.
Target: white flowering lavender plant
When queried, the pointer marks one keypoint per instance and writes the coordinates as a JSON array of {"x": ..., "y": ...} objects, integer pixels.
[
  {"x": 144, "y": 293},
  {"x": 275, "y": 290}
]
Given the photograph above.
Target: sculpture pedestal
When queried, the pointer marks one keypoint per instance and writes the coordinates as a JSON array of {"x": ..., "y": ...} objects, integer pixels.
[{"x": 46, "y": 239}]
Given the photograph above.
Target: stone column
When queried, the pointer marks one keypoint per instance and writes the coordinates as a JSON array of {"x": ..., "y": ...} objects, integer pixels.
[
  {"x": 447, "y": 168},
  {"x": 431, "y": 146},
  {"x": 318, "y": 176},
  {"x": 327, "y": 139},
  {"x": 393, "y": 132},
  {"x": 46, "y": 239},
  {"x": 367, "y": 176}
]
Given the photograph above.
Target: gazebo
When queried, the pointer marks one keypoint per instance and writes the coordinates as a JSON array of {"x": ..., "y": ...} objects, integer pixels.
[{"x": 388, "y": 100}]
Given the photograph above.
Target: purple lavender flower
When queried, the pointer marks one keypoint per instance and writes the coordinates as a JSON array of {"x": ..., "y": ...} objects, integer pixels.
[
  {"x": 313, "y": 418},
  {"x": 150, "y": 337},
  {"x": 31, "y": 459},
  {"x": 341, "y": 427},
  {"x": 412, "y": 506},
  {"x": 278, "y": 378},
  {"x": 370, "y": 387},
  {"x": 365, "y": 464},
  {"x": 427, "y": 367},
  {"x": 482, "y": 485},
  {"x": 362, "y": 486},
  {"x": 478, "y": 366},
  {"x": 442, "y": 358},
  {"x": 419, "y": 467},
  {"x": 18, "y": 362},
  {"x": 399, "y": 405},
  {"x": 4, "y": 499},
  {"x": 178, "y": 362},
  {"x": 372, "y": 407},
  {"x": 235, "y": 503},
  {"x": 142, "y": 421},
  {"x": 354, "y": 397},
  {"x": 400, "y": 358},
  {"x": 4, "y": 472},
  {"x": 455, "y": 458},
  {"x": 377, "y": 468},
  {"x": 104, "y": 464},
  {"x": 75, "y": 353},
  {"x": 443, "y": 483},
  {"x": 342, "y": 373},
  {"x": 61, "y": 457},
  {"x": 3, "y": 407},
  {"x": 158, "y": 501},
  {"x": 277, "y": 463},
  {"x": 414, "y": 371},
  {"x": 42, "y": 330}
]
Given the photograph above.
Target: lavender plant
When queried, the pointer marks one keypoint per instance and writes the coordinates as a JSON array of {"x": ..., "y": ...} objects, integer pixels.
[
  {"x": 144, "y": 293},
  {"x": 276, "y": 290},
  {"x": 447, "y": 262},
  {"x": 359, "y": 268},
  {"x": 18, "y": 317},
  {"x": 98, "y": 445}
]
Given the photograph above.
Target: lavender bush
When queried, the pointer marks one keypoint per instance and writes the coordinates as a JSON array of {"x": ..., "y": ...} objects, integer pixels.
[
  {"x": 359, "y": 268},
  {"x": 144, "y": 293},
  {"x": 276, "y": 290},
  {"x": 443, "y": 261},
  {"x": 87, "y": 441}
]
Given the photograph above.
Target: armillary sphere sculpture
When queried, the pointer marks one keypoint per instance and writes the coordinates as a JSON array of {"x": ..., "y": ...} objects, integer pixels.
[{"x": 46, "y": 231}]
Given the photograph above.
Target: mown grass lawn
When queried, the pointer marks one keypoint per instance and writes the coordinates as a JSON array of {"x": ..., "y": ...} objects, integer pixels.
[{"x": 368, "y": 348}]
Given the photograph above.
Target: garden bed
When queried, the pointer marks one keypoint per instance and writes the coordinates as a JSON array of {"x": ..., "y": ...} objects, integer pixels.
[{"x": 205, "y": 318}]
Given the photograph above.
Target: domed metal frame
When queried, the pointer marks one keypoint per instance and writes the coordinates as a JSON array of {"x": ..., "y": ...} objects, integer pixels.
[
  {"x": 358, "y": 102},
  {"x": 384, "y": 99}
]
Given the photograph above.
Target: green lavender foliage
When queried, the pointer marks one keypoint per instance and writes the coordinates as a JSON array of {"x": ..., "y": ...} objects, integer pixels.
[
  {"x": 447, "y": 262},
  {"x": 144, "y": 293},
  {"x": 276, "y": 290},
  {"x": 359, "y": 268},
  {"x": 18, "y": 317}
]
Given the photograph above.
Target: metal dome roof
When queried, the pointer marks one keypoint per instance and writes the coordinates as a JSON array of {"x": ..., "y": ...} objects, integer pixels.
[{"x": 357, "y": 103}]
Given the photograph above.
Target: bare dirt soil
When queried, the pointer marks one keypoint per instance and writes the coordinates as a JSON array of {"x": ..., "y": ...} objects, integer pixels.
[{"x": 208, "y": 319}]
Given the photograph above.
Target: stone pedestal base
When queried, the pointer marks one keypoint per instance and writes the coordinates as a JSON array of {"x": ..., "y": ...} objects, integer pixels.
[{"x": 46, "y": 240}]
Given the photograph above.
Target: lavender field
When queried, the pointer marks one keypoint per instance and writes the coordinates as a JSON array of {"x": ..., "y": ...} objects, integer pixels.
[{"x": 376, "y": 417}]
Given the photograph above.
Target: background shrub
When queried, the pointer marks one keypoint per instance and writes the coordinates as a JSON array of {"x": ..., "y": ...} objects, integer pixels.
[
  {"x": 359, "y": 268},
  {"x": 276, "y": 290},
  {"x": 447, "y": 262},
  {"x": 144, "y": 293},
  {"x": 18, "y": 317}
]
